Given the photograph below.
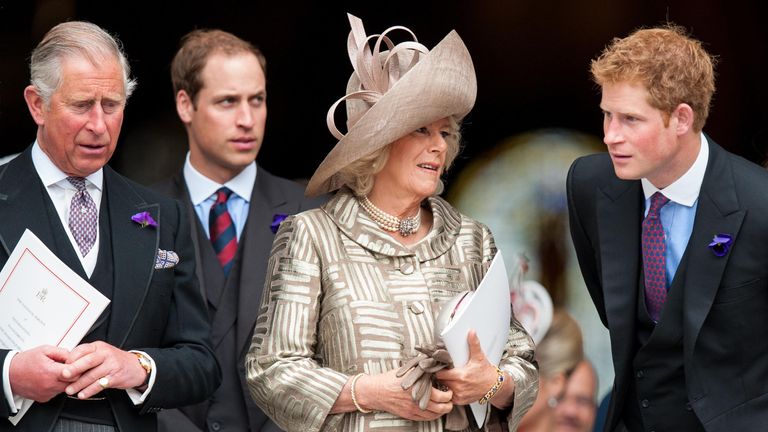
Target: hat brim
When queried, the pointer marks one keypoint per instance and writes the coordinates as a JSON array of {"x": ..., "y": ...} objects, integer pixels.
[{"x": 440, "y": 85}]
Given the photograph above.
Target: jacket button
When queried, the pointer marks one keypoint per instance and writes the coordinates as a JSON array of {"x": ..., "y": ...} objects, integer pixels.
[
  {"x": 215, "y": 426},
  {"x": 407, "y": 269},
  {"x": 640, "y": 374},
  {"x": 644, "y": 403},
  {"x": 688, "y": 407},
  {"x": 416, "y": 307}
]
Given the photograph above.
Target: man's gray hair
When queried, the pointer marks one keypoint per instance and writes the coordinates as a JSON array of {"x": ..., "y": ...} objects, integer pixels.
[{"x": 74, "y": 39}]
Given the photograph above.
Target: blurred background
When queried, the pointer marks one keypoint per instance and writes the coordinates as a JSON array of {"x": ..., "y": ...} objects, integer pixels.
[{"x": 536, "y": 109}]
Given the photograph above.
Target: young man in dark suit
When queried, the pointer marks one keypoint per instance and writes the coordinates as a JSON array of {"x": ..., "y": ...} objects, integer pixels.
[
  {"x": 235, "y": 207},
  {"x": 151, "y": 348},
  {"x": 670, "y": 232}
]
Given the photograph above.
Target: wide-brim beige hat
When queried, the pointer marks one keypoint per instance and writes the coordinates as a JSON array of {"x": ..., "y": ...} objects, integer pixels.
[{"x": 392, "y": 93}]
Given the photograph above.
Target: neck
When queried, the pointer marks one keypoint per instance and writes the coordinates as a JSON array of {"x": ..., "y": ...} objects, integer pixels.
[
  {"x": 216, "y": 173},
  {"x": 394, "y": 204},
  {"x": 690, "y": 144}
]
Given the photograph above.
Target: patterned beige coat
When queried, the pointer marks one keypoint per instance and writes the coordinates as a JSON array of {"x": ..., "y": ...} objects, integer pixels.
[{"x": 344, "y": 297}]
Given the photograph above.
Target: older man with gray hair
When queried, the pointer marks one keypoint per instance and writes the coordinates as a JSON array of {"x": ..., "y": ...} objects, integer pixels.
[{"x": 150, "y": 349}]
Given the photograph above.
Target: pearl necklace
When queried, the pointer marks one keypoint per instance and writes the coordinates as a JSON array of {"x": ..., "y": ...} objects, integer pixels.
[{"x": 405, "y": 226}]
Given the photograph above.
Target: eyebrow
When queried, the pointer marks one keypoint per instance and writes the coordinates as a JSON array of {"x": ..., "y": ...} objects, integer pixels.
[{"x": 89, "y": 98}]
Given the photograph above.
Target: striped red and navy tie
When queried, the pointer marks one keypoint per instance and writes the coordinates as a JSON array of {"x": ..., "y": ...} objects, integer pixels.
[{"x": 222, "y": 230}]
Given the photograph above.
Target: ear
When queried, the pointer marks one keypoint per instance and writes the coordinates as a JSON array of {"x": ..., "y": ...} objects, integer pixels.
[
  {"x": 184, "y": 106},
  {"x": 683, "y": 117},
  {"x": 36, "y": 104}
]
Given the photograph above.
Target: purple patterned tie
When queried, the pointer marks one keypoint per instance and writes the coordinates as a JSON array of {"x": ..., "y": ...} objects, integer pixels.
[
  {"x": 82, "y": 216},
  {"x": 654, "y": 262}
]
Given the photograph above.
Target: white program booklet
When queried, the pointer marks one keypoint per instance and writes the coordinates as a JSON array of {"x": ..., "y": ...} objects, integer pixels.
[
  {"x": 488, "y": 312},
  {"x": 44, "y": 302}
]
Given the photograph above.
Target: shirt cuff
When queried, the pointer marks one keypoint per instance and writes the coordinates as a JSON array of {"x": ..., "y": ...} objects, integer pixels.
[
  {"x": 13, "y": 401},
  {"x": 136, "y": 396}
]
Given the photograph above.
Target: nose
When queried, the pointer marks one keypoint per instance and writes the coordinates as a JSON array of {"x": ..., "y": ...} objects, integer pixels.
[
  {"x": 611, "y": 131},
  {"x": 245, "y": 117},
  {"x": 96, "y": 121},
  {"x": 438, "y": 143}
]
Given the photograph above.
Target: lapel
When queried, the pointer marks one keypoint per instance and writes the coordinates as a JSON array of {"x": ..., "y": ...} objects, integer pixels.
[
  {"x": 718, "y": 212},
  {"x": 22, "y": 204},
  {"x": 180, "y": 192},
  {"x": 620, "y": 212},
  {"x": 226, "y": 313},
  {"x": 134, "y": 251},
  {"x": 267, "y": 200}
]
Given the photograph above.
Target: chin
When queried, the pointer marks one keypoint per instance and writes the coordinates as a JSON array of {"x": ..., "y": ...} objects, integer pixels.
[
  {"x": 626, "y": 174},
  {"x": 239, "y": 163},
  {"x": 426, "y": 193}
]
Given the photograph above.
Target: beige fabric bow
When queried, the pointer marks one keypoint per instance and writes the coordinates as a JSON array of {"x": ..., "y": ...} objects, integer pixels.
[{"x": 418, "y": 375}]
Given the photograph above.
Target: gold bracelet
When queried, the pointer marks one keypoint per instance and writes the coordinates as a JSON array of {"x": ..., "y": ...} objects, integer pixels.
[
  {"x": 354, "y": 398},
  {"x": 494, "y": 389}
]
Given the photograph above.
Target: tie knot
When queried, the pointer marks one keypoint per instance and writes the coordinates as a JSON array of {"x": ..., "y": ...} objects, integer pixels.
[
  {"x": 78, "y": 183},
  {"x": 222, "y": 195},
  {"x": 658, "y": 200}
]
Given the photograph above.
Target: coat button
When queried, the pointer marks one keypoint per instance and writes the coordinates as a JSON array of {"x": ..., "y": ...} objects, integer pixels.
[
  {"x": 688, "y": 407},
  {"x": 406, "y": 269},
  {"x": 640, "y": 374},
  {"x": 644, "y": 403},
  {"x": 216, "y": 426},
  {"x": 416, "y": 307}
]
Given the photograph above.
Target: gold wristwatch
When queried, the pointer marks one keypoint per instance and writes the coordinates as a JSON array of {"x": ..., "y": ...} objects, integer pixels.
[{"x": 144, "y": 363}]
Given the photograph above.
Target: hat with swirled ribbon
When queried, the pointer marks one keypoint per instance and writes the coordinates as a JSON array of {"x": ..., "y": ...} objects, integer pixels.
[{"x": 393, "y": 92}]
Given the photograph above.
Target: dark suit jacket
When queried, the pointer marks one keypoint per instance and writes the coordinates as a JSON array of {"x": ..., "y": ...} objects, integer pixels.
[
  {"x": 725, "y": 309},
  {"x": 159, "y": 312},
  {"x": 271, "y": 195}
]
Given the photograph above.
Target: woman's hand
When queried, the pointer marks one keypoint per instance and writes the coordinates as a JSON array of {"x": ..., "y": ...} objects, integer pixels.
[
  {"x": 470, "y": 382},
  {"x": 382, "y": 392}
]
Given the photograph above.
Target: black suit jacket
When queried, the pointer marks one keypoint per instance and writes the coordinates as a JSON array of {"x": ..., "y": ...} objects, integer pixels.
[
  {"x": 271, "y": 195},
  {"x": 159, "y": 312},
  {"x": 725, "y": 306}
]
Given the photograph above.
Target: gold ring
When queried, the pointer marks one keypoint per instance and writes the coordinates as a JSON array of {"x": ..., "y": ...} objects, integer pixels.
[{"x": 104, "y": 382}]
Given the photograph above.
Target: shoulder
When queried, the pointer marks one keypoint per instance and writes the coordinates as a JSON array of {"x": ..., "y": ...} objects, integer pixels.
[
  {"x": 751, "y": 184},
  {"x": 749, "y": 179},
  {"x": 748, "y": 173},
  {"x": 291, "y": 191},
  {"x": 452, "y": 216},
  {"x": 591, "y": 173},
  {"x": 305, "y": 224},
  {"x": 118, "y": 184},
  {"x": 591, "y": 169},
  {"x": 288, "y": 186},
  {"x": 459, "y": 224},
  {"x": 301, "y": 236},
  {"x": 171, "y": 187}
]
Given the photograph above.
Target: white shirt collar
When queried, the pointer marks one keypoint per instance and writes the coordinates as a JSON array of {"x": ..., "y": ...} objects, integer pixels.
[
  {"x": 684, "y": 190},
  {"x": 50, "y": 174},
  {"x": 201, "y": 187}
]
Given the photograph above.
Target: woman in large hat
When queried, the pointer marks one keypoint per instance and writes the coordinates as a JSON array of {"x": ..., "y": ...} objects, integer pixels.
[{"x": 356, "y": 286}]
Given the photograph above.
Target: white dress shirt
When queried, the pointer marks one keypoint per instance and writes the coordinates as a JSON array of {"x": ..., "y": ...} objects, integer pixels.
[
  {"x": 61, "y": 192},
  {"x": 678, "y": 215},
  {"x": 202, "y": 193}
]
